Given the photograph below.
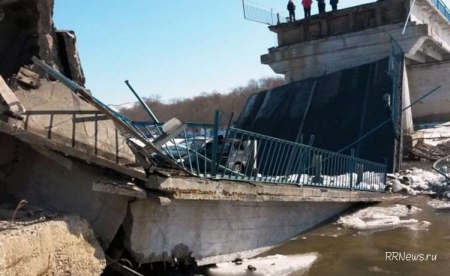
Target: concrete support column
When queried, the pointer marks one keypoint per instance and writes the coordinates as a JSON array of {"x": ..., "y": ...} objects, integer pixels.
[{"x": 407, "y": 121}]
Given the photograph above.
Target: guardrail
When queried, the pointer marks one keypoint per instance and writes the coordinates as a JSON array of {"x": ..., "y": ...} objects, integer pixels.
[
  {"x": 263, "y": 15},
  {"x": 215, "y": 151},
  {"x": 209, "y": 151},
  {"x": 442, "y": 7},
  {"x": 442, "y": 166}
]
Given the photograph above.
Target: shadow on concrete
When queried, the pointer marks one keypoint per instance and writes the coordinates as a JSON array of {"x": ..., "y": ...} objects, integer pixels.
[{"x": 337, "y": 108}]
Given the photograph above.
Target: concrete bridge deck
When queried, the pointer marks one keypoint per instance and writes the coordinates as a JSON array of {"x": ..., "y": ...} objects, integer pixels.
[{"x": 210, "y": 189}]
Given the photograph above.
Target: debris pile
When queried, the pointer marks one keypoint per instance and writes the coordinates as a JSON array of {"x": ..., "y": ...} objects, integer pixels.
[
  {"x": 431, "y": 141},
  {"x": 419, "y": 181}
]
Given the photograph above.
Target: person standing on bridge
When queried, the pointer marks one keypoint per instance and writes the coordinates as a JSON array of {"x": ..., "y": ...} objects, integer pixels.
[
  {"x": 334, "y": 4},
  {"x": 307, "y": 7},
  {"x": 321, "y": 4},
  {"x": 291, "y": 9}
]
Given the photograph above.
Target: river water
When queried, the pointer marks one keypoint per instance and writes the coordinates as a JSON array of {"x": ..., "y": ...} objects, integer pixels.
[{"x": 348, "y": 252}]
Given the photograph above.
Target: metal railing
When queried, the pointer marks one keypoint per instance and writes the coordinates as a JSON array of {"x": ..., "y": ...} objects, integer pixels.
[
  {"x": 124, "y": 124},
  {"x": 207, "y": 150},
  {"x": 395, "y": 71},
  {"x": 442, "y": 7},
  {"x": 263, "y": 15},
  {"x": 220, "y": 151},
  {"x": 442, "y": 166}
]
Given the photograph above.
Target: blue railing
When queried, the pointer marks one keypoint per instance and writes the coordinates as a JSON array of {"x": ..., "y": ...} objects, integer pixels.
[
  {"x": 442, "y": 7},
  {"x": 395, "y": 71},
  {"x": 224, "y": 152},
  {"x": 207, "y": 150},
  {"x": 125, "y": 125},
  {"x": 442, "y": 166}
]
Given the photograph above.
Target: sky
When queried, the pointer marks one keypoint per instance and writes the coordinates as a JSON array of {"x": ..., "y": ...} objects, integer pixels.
[{"x": 172, "y": 48}]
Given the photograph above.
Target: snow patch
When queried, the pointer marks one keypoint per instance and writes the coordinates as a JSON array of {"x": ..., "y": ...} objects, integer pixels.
[
  {"x": 118, "y": 107},
  {"x": 277, "y": 265},
  {"x": 369, "y": 181},
  {"x": 422, "y": 179}
]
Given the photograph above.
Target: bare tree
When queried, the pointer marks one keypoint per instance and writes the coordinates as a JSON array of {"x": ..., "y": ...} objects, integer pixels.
[{"x": 201, "y": 108}]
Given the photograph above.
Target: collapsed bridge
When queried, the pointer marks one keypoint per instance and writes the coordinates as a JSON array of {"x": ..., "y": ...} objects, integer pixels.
[{"x": 162, "y": 191}]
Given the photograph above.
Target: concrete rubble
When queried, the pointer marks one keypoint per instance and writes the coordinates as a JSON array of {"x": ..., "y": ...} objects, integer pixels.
[{"x": 419, "y": 182}]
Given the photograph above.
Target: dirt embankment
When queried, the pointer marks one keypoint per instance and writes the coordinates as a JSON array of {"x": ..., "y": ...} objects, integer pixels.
[{"x": 60, "y": 246}]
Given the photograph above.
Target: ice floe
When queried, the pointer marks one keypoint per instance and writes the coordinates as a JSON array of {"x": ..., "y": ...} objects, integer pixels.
[
  {"x": 439, "y": 204},
  {"x": 277, "y": 265},
  {"x": 376, "y": 218}
]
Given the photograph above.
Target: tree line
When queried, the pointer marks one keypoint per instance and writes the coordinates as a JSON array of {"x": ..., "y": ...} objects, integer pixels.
[{"x": 201, "y": 108}]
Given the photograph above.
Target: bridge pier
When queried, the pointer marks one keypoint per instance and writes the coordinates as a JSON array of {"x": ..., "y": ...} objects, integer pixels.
[{"x": 360, "y": 35}]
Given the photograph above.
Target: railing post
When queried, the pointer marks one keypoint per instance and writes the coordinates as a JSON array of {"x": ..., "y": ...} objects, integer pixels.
[
  {"x": 271, "y": 16},
  {"x": 215, "y": 144},
  {"x": 359, "y": 173},
  {"x": 144, "y": 105},
  {"x": 317, "y": 166},
  {"x": 351, "y": 167},
  {"x": 385, "y": 173},
  {"x": 278, "y": 18}
]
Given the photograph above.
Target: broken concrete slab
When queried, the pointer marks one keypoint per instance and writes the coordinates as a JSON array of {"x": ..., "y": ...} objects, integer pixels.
[
  {"x": 9, "y": 98},
  {"x": 28, "y": 77},
  {"x": 57, "y": 157},
  {"x": 110, "y": 186},
  {"x": 42, "y": 181},
  {"x": 14, "y": 132},
  {"x": 206, "y": 189},
  {"x": 54, "y": 112},
  {"x": 70, "y": 58},
  {"x": 216, "y": 231}
]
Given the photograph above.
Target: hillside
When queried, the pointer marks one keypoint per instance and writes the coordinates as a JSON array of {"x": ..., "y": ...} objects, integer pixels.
[{"x": 201, "y": 108}]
